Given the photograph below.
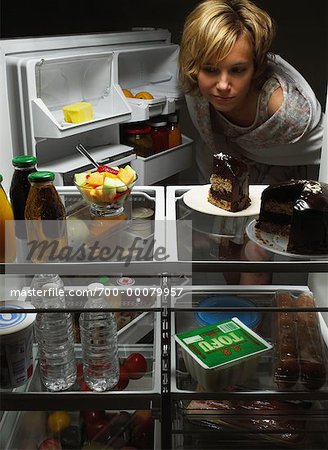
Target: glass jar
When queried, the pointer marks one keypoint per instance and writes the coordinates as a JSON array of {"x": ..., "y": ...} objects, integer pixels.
[
  {"x": 139, "y": 139},
  {"x": 174, "y": 131},
  {"x": 45, "y": 218},
  {"x": 20, "y": 188},
  {"x": 159, "y": 135}
]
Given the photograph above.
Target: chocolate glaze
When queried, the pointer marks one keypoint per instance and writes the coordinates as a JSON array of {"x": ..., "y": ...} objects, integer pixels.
[
  {"x": 309, "y": 221},
  {"x": 230, "y": 168}
]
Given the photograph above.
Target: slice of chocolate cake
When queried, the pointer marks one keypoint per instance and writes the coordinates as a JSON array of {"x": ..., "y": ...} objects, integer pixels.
[
  {"x": 297, "y": 209},
  {"x": 229, "y": 183}
]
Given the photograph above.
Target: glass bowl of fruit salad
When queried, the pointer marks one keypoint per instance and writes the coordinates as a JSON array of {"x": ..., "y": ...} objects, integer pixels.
[{"x": 106, "y": 189}]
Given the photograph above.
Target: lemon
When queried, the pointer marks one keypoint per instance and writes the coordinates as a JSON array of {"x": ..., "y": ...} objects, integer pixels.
[
  {"x": 144, "y": 95},
  {"x": 127, "y": 93},
  {"x": 58, "y": 420}
]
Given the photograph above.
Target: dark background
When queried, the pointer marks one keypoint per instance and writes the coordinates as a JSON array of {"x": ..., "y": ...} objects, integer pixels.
[{"x": 301, "y": 38}]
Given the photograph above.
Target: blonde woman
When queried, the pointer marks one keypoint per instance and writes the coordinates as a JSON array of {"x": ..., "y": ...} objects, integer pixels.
[
  {"x": 243, "y": 100},
  {"x": 246, "y": 102}
]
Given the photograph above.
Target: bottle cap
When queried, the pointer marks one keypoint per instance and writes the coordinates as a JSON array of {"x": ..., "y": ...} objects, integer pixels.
[
  {"x": 144, "y": 130},
  {"x": 103, "y": 279},
  {"x": 24, "y": 161},
  {"x": 95, "y": 290},
  {"x": 38, "y": 177},
  {"x": 1, "y": 178},
  {"x": 125, "y": 281}
]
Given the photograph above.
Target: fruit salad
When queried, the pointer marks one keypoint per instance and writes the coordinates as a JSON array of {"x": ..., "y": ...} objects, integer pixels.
[{"x": 108, "y": 185}]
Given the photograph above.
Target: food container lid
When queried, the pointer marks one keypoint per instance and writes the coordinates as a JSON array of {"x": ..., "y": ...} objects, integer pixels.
[
  {"x": 250, "y": 318},
  {"x": 125, "y": 281},
  {"x": 142, "y": 213},
  {"x": 16, "y": 319},
  {"x": 24, "y": 161},
  {"x": 144, "y": 130},
  {"x": 225, "y": 343},
  {"x": 42, "y": 175}
]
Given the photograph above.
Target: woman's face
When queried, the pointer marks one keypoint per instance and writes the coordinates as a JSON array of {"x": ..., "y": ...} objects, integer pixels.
[{"x": 227, "y": 83}]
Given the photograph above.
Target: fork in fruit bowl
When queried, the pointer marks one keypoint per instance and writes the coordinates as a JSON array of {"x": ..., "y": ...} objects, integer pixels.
[{"x": 81, "y": 149}]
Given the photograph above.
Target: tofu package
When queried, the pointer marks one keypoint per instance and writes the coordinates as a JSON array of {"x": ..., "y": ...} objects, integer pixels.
[{"x": 221, "y": 354}]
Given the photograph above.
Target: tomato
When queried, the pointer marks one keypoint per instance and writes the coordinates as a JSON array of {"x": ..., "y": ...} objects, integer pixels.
[
  {"x": 79, "y": 373},
  {"x": 50, "y": 444},
  {"x": 123, "y": 380},
  {"x": 105, "y": 168},
  {"x": 97, "y": 430},
  {"x": 136, "y": 366},
  {"x": 84, "y": 386},
  {"x": 93, "y": 416}
]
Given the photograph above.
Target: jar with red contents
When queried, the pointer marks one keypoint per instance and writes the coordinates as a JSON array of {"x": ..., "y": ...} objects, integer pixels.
[
  {"x": 140, "y": 139},
  {"x": 159, "y": 135}
]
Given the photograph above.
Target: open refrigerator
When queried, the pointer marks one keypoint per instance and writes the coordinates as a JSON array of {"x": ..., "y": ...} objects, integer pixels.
[
  {"x": 35, "y": 74},
  {"x": 39, "y": 76}
]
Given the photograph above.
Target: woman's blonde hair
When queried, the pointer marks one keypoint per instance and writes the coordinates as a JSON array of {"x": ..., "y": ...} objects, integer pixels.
[{"x": 211, "y": 30}]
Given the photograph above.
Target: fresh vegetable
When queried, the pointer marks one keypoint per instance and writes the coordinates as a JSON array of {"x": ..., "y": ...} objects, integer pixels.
[
  {"x": 123, "y": 380},
  {"x": 136, "y": 366},
  {"x": 58, "y": 420},
  {"x": 50, "y": 444},
  {"x": 97, "y": 430},
  {"x": 93, "y": 416},
  {"x": 70, "y": 438}
]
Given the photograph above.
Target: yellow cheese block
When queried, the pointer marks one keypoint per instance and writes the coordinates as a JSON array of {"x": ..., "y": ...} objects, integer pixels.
[{"x": 78, "y": 112}]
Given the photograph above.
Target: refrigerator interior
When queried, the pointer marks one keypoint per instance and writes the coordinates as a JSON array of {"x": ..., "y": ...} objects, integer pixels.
[{"x": 43, "y": 75}]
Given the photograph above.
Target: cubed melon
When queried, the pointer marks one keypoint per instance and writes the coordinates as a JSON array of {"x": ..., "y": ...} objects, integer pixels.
[{"x": 96, "y": 179}]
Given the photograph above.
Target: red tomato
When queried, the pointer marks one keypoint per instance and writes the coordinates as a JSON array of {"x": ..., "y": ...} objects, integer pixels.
[
  {"x": 50, "y": 444},
  {"x": 123, "y": 380},
  {"x": 79, "y": 373},
  {"x": 97, "y": 430},
  {"x": 107, "y": 169},
  {"x": 136, "y": 365},
  {"x": 84, "y": 386},
  {"x": 93, "y": 416}
]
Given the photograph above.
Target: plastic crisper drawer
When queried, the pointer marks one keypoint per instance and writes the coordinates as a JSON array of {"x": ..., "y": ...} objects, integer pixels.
[
  {"x": 52, "y": 82},
  {"x": 312, "y": 377}
]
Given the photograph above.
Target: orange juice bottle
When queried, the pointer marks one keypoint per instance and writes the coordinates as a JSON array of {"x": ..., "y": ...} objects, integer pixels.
[{"x": 7, "y": 228}]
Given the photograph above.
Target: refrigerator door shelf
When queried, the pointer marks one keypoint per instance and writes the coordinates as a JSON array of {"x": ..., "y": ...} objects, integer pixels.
[
  {"x": 159, "y": 166},
  {"x": 50, "y": 124}
]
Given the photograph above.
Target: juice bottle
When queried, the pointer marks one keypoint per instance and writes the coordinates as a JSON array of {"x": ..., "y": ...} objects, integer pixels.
[
  {"x": 174, "y": 131},
  {"x": 7, "y": 228},
  {"x": 45, "y": 215},
  {"x": 19, "y": 189}
]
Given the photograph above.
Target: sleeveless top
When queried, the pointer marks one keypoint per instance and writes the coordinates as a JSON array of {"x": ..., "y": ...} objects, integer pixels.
[{"x": 290, "y": 137}]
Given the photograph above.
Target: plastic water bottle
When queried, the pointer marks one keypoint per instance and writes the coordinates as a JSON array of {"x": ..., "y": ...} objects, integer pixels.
[
  {"x": 54, "y": 334},
  {"x": 99, "y": 342}
]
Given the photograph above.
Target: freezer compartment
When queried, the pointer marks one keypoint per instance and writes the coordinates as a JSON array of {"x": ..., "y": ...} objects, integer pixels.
[
  {"x": 154, "y": 71},
  {"x": 251, "y": 424},
  {"x": 164, "y": 164},
  {"x": 264, "y": 376},
  {"x": 85, "y": 429}
]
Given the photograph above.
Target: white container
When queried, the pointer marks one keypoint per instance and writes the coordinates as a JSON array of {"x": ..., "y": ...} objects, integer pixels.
[
  {"x": 16, "y": 337},
  {"x": 164, "y": 164},
  {"x": 246, "y": 349}
]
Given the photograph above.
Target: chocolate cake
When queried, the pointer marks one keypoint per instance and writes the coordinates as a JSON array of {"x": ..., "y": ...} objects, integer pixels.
[
  {"x": 297, "y": 209},
  {"x": 229, "y": 183}
]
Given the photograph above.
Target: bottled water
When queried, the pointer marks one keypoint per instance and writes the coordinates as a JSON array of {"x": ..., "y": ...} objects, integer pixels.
[
  {"x": 99, "y": 342},
  {"x": 54, "y": 334}
]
